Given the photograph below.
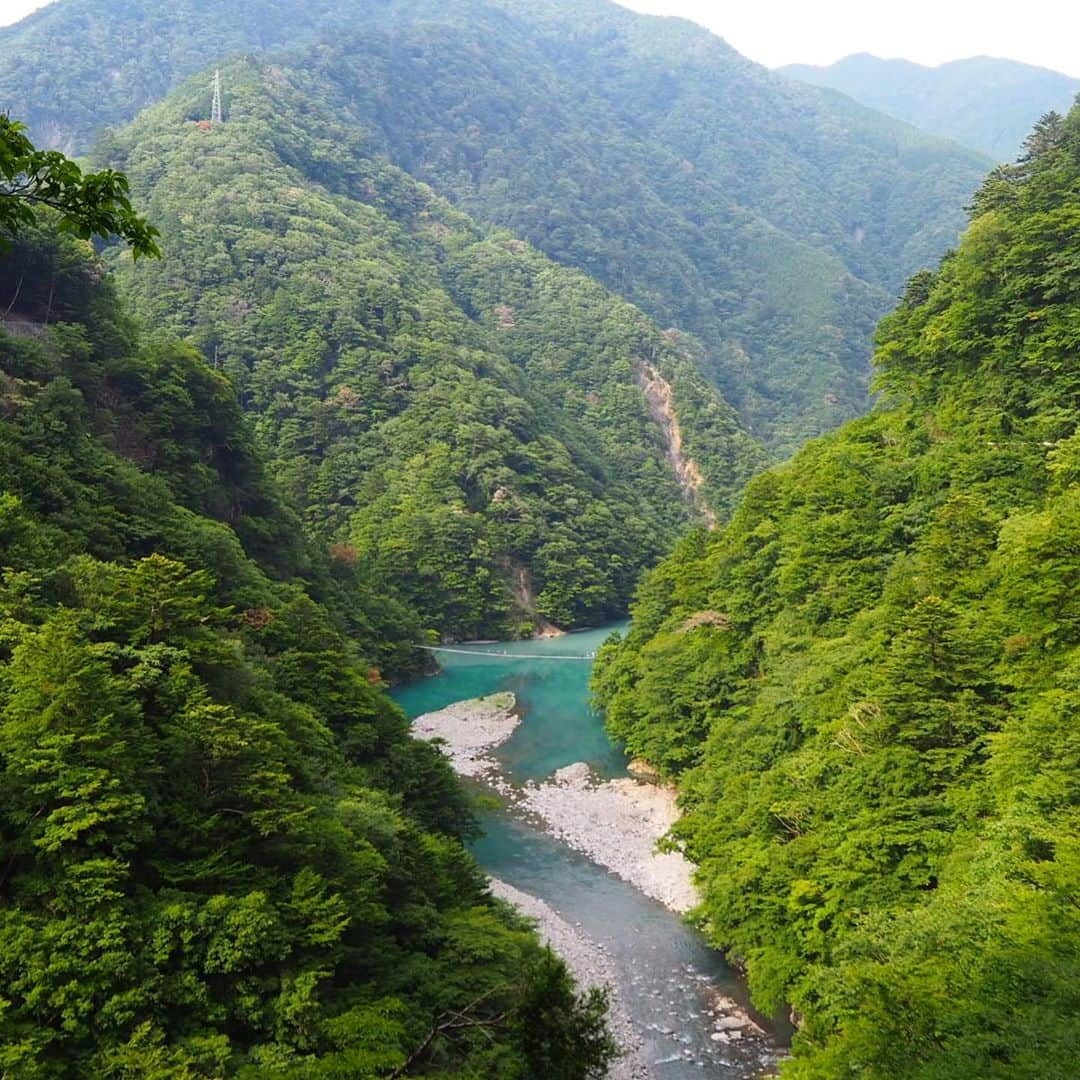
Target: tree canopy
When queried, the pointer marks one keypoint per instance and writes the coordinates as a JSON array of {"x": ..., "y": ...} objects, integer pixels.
[
  {"x": 866, "y": 684},
  {"x": 459, "y": 418},
  {"x": 88, "y": 204},
  {"x": 221, "y": 853}
]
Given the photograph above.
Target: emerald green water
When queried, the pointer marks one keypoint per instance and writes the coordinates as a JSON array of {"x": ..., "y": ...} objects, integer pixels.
[
  {"x": 667, "y": 975},
  {"x": 558, "y": 726}
]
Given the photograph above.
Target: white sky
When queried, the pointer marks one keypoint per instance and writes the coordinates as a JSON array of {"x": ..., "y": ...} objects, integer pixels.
[
  {"x": 774, "y": 32},
  {"x": 13, "y": 10}
]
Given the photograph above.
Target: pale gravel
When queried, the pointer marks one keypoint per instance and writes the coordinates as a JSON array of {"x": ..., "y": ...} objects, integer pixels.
[
  {"x": 469, "y": 729},
  {"x": 590, "y": 966},
  {"x": 617, "y": 824}
]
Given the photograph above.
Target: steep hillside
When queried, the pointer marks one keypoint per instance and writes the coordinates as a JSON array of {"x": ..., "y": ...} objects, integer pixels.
[
  {"x": 983, "y": 102},
  {"x": 449, "y": 409},
  {"x": 222, "y": 853},
  {"x": 867, "y": 684},
  {"x": 773, "y": 221},
  {"x": 73, "y": 68}
]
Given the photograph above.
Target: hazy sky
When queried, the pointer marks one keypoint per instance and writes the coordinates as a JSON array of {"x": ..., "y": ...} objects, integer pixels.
[
  {"x": 777, "y": 32},
  {"x": 13, "y": 10}
]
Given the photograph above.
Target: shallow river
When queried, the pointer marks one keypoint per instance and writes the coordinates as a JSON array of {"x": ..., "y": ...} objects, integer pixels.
[{"x": 667, "y": 974}]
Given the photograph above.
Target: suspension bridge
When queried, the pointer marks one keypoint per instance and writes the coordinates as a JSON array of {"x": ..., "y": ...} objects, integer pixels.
[{"x": 503, "y": 654}]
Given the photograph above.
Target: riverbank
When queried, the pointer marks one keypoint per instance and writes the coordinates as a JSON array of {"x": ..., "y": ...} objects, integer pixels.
[
  {"x": 469, "y": 729},
  {"x": 617, "y": 823},
  {"x": 590, "y": 966},
  {"x": 683, "y": 1012}
]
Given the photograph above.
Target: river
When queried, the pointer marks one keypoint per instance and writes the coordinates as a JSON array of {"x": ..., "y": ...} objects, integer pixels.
[{"x": 668, "y": 977}]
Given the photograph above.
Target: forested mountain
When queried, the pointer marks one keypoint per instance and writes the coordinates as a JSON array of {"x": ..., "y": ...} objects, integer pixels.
[
  {"x": 983, "y": 102},
  {"x": 868, "y": 683},
  {"x": 470, "y": 423},
  {"x": 773, "y": 221},
  {"x": 222, "y": 852},
  {"x": 435, "y": 348}
]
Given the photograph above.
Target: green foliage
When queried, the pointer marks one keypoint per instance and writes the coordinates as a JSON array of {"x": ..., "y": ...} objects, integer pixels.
[
  {"x": 866, "y": 683},
  {"x": 565, "y": 1037},
  {"x": 775, "y": 232},
  {"x": 458, "y": 420},
  {"x": 91, "y": 204},
  {"x": 220, "y": 852},
  {"x": 772, "y": 220}
]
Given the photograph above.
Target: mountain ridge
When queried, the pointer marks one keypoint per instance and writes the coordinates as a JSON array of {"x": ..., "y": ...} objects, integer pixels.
[
  {"x": 988, "y": 103},
  {"x": 772, "y": 222},
  {"x": 865, "y": 683},
  {"x": 443, "y": 401}
]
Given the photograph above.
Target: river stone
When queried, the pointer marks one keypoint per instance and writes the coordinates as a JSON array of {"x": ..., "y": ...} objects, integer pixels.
[
  {"x": 642, "y": 770},
  {"x": 576, "y": 775},
  {"x": 727, "y": 1023}
]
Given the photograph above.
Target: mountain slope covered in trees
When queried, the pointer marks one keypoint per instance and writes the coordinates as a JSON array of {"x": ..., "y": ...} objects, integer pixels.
[
  {"x": 458, "y": 415},
  {"x": 983, "y": 102},
  {"x": 867, "y": 684},
  {"x": 223, "y": 854},
  {"x": 773, "y": 221}
]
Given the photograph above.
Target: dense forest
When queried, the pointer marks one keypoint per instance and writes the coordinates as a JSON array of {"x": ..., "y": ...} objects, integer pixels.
[
  {"x": 479, "y": 318},
  {"x": 984, "y": 102},
  {"x": 771, "y": 222},
  {"x": 867, "y": 684},
  {"x": 464, "y": 420},
  {"x": 222, "y": 852},
  {"x": 774, "y": 221}
]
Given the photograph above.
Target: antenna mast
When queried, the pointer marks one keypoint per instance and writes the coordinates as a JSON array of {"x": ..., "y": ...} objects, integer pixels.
[{"x": 215, "y": 108}]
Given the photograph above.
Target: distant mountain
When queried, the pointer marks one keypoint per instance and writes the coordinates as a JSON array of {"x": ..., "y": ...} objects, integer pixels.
[
  {"x": 773, "y": 221},
  {"x": 985, "y": 103}
]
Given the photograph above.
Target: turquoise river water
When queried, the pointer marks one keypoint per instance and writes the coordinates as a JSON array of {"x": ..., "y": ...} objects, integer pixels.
[{"x": 667, "y": 975}]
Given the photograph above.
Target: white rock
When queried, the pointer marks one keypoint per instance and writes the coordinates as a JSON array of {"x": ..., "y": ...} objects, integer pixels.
[{"x": 470, "y": 729}]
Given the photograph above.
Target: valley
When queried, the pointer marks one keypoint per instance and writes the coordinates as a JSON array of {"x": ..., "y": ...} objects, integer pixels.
[
  {"x": 681, "y": 1003},
  {"x": 533, "y": 546}
]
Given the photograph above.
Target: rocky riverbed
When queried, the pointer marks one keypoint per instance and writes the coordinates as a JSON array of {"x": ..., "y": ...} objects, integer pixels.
[
  {"x": 616, "y": 824},
  {"x": 589, "y": 963},
  {"x": 469, "y": 729}
]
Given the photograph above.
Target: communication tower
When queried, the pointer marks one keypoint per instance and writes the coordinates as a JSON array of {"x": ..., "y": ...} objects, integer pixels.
[{"x": 215, "y": 108}]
